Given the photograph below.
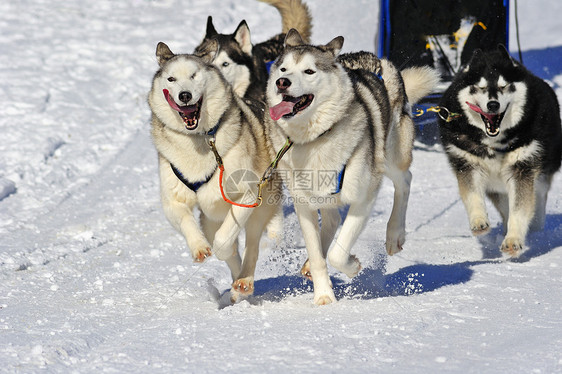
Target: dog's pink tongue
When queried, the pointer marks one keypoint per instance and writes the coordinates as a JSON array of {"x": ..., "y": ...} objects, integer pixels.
[
  {"x": 185, "y": 109},
  {"x": 489, "y": 116},
  {"x": 279, "y": 110}
]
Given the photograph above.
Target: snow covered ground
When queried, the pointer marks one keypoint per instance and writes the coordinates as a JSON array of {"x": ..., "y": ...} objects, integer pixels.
[{"x": 94, "y": 279}]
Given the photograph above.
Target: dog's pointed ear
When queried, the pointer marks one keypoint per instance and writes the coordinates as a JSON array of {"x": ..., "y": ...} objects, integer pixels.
[
  {"x": 211, "y": 31},
  {"x": 209, "y": 50},
  {"x": 335, "y": 45},
  {"x": 243, "y": 38},
  {"x": 293, "y": 38},
  {"x": 505, "y": 54},
  {"x": 163, "y": 53},
  {"x": 503, "y": 50},
  {"x": 476, "y": 60}
]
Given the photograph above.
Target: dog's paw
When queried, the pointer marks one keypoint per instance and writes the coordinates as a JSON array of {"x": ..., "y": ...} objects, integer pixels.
[
  {"x": 354, "y": 267},
  {"x": 324, "y": 298},
  {"x": 243, "y": 286},
  {"x": 512, "y": 247},
  {"x": 350, "y": 266},
  {"x": 305, "y": 270},
  {"x": 393, "y": 247},
  {"x": 201, "y": 254},
  {"x": 394, "y": 242},
  {"x": 479, "y": 226}
]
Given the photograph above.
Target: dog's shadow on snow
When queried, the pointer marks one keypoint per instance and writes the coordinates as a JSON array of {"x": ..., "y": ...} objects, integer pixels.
[
  {"x": 537, "y": 244},
  {"x": 372, "y": 283}
]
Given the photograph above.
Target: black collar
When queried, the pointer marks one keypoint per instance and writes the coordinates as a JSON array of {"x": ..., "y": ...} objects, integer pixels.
[{"x": 193, "y": 186}]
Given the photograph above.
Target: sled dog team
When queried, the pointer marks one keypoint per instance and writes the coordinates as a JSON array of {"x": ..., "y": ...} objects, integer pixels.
[{"x": 329, "y": 126}]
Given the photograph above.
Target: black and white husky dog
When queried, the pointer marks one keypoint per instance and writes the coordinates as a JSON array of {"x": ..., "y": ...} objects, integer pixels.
[{"x": 503, "y": 140}]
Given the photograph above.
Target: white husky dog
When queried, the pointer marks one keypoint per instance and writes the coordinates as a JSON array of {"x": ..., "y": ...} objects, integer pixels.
[
  {"x": 348, "y": 128},
  {"x": 208, "y": 141}
]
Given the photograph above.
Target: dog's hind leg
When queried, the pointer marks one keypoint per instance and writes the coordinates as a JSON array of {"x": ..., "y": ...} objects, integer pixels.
[
  {"x": 400, "y": 143},
  {"x": 542, "y": 186},
  {"x": 340, "y": 255},
  {"x": 331, "y": 220},
  {"x": 501, "y": 202},
  {"x": 308, "y": 219},
  {"x": 396, "y": 226}
]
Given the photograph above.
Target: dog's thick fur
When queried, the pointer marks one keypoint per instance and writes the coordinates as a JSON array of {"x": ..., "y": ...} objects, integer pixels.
[
  {"x": 340, "y": 115},
  {"x": 207, "y": 104},
  {"x": 244, "y": 64},
  {"x": 506, "y": 144}
]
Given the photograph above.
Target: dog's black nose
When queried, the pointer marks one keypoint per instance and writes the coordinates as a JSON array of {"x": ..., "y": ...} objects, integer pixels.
[
  {"x": 493, "y": 106},
  {"x": 283, "y": 83},
  {"x": 185, "y": 96}
]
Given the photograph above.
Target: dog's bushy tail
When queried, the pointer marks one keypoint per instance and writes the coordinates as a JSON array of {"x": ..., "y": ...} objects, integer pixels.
[
  {"x": 419, "y": 82},
  {"x": 294, "y": 15}
]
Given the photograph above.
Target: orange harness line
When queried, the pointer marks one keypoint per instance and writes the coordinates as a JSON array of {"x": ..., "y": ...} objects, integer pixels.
[
  {"x": 263, "y": 181},
  {"x": 254, "y": 205}
]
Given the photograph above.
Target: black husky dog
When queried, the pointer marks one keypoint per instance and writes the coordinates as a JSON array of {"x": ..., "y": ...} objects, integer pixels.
[{"x": 503, "y": 139}]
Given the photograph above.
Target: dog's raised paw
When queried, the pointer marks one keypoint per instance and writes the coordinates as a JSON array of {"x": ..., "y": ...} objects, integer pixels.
[
  {"x": 201, "y": 255},
  {"x": 350, "y": 265}
]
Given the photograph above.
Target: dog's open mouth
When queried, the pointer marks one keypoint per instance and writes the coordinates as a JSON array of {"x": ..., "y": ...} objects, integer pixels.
[
  {"x": 491, "y": 120},
  {"x": 290, "y": 106},
  {"x": 188, "y": 113}
]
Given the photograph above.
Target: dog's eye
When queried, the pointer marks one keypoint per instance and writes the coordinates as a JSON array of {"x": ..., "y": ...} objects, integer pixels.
[
  {"x": 283, "y": 70},
  {"x": 171, "y": 79},
  {"x": 309, "y": 71},
  {"x": 225, "y": 64},
  {"x": 193, "y": 76}
]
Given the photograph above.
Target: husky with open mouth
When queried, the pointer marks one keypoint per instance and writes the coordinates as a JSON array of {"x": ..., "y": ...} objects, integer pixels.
[
  {"x": 348, "y": 127},
  {"x": 504, "y": 142},
  {"x": 211, "y": 147}
]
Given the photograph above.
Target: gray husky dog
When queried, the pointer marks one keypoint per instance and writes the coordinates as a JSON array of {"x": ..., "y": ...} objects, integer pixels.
[
  {"x": 504, "y": 142},
  {"x": 211, "y": 148},
  {"x": 348, "y": 128}
]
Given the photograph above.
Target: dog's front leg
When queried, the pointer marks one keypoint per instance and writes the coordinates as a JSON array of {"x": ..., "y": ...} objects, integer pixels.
[
  {"x": 330, "y": 222},
  {"x": 340, "y": 255},
  {"x": 521, "y": 194},
  {"x": 471, "y": 189},
  {"x": 308, "y": 219},
  {"x": 226, "y": 236},
  {"x": 244, "y": 283},
  {"x": 178, "y": 204}
]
